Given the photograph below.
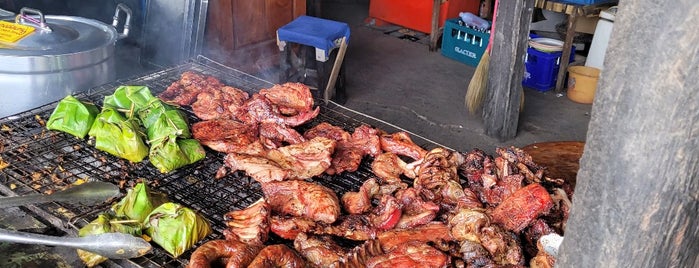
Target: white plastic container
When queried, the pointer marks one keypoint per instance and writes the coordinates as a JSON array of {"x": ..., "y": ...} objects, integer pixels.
[{"x": 600, "y": 40}]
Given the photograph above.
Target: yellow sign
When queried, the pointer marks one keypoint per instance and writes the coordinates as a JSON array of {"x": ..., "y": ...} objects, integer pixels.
[{"x": 12, "y": 32}]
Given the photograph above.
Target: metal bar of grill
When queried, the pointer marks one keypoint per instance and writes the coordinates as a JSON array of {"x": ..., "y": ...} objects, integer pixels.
[{"x": 40, "y": 161}]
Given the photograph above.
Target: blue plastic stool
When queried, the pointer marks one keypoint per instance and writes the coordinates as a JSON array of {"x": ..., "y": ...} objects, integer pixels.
[{"x": 323, "y": 35}]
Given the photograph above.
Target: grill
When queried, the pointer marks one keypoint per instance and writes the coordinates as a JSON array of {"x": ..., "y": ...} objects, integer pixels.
[{"x": 36, "y": 160}]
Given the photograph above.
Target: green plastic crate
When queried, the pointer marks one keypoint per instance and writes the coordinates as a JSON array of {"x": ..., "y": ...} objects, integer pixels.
[{"x": 463, "y": 43}]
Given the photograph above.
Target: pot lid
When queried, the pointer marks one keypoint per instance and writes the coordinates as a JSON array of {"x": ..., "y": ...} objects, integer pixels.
[{"x": 64, "y": 35}]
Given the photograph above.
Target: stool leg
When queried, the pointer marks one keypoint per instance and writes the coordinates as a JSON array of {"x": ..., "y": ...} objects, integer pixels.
[
  {"x": 284, "y": 65},
  {"x": 335, "y": 71}
]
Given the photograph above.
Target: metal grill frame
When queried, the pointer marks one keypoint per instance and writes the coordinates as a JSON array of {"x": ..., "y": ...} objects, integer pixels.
[{"x": 42, "y": 161}]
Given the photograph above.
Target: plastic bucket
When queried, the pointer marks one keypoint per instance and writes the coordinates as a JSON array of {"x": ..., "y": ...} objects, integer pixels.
[{"x": 582, "y": 83}]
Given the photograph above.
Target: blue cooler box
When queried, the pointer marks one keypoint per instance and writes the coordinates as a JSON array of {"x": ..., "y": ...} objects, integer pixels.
[
  {"x": 541, "y": 68},
  {"x": 463, "y": 43}
]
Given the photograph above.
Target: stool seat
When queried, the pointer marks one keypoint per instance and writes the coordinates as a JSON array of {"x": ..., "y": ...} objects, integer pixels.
[
  {"x": 320, "y": 33},
  {"x": 323, "y": 35}
]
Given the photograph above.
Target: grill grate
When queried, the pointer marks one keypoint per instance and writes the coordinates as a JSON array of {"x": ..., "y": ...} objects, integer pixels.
[{"x": 42, "y": 161}]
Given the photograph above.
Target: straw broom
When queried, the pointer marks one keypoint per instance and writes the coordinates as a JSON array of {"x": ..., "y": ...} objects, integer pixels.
[{"x": 477, "y": 87}]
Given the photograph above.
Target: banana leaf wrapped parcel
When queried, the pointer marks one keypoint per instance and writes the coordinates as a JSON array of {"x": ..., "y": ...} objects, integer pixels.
[
  {"x": 73, "y": 116},
  {"x": 176, "y": 228},
  {"x": 162, "y": 120},
  {"x": 106, "y": 223},
  {"x": 119, "y": 136},
  {"x": 139, "y": 202},
  {"x": 170, "y": 153},
  {"x": 130, "y": 99}
]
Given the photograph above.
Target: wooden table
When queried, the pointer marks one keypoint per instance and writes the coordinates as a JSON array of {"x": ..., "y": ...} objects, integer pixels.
[{"x": 574, "y": 12}]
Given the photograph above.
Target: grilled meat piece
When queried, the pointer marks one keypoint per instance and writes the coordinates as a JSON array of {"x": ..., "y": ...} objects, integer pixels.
[
  {"x": 358, "y": 255},
  {"x": 503, "y": 246},
  {"x": 225, "y": 136},
  {"x": 367, "y": 139},
  {"x": 411, "y": 254},
  {"x": 258, "y": 109},
  {"x": 466, "y": 224},
  {"x": 329, "y": 131},
  {"x": 275, "y": 135},
  {"x": 185, "y": 90},
  {"x": 277, "y": 256},
  {"x": 431, "y": 232},
  {"x": 291, "y": 98},
  {"x": 353, "y": 227},
  {"x": 386, "y": 215},
  {"x": 250, "y": 225},
  {"x": 346, "y": 156},
  {"x": 389, "y": 168},
  {"x": 416, "y": 211},
  {"x": 523, "y": 207},
  {"x": 306, "y": 159},
  {"x": 235, "y": 254},
  {"x": 220, "y": 103},
  {"x": 321, "y": 251},
  {"x": 475, "y": 255},
  {"x": 288, "y": 227},
  {"x": 400, "y": 143},
  {"x": 438, "y": 166},
  {"x": 261, "y": 169},
  {"x": 302, "y": 199},
  {"x": 360, "y": 202}
]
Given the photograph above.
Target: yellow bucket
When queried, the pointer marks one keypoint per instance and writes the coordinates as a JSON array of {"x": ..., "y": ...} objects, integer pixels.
[{"x": 582, "y": 83}]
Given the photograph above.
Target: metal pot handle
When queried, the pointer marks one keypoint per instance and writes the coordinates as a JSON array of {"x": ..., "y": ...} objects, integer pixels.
[
  {"x": 24, "y": 18},
  {"x": 127, "y": 22}
]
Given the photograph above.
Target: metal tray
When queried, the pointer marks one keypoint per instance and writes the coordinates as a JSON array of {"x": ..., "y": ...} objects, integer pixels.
[{"x": 41, "y": 161}]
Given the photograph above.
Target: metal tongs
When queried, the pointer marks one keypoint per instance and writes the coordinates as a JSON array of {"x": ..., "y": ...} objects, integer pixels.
[
  {"x": 109, "y": 245},
  {"x": 88, "y": 193}
]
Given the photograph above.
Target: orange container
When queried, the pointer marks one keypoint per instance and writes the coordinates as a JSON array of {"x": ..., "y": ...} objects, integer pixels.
[{"x": 417, "y": 14}]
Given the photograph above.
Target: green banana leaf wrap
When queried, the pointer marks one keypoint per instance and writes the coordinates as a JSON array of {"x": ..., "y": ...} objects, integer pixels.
[
  {"x": 106, "y": 223},
  {"x": 176, "y": 228},
  {"x": 171, "y": 154},
  {"x": 162, "y": 120},
  {"x": 73, "y": 117},
  {"x": 139, "y": 202},
  {"x": 129, "y": 99},
  {"x": 119, "y": 136}
]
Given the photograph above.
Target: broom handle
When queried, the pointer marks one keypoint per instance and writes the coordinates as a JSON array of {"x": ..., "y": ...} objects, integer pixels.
[{"x": 492, "y": 27}]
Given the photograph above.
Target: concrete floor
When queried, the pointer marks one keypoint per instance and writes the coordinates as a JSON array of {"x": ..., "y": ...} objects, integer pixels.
[{"x": 401, "y": 82}]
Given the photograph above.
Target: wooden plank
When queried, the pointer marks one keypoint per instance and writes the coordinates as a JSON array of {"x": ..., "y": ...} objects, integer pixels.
[
  {"x": 567, "y": 46},
  {"x": 504, "y": 90},
  {"x": 330, "y": 89},
  {"x": 434, "y": 33},
  {"x": 637, "y": 194}
]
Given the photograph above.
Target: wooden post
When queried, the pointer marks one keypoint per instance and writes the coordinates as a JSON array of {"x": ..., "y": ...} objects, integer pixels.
[
  {"x": 636, "y": 202},
  {"x": 434, "y": 33},
  {"x": 504, "y": 90}
]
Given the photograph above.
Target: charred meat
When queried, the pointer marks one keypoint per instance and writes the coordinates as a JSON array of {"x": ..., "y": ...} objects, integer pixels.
[{"x": 302, "y": 199}]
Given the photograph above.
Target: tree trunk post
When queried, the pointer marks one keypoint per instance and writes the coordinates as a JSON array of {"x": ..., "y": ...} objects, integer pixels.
[
  {"x": 636, "y": 202},
  {"x": 504, "y": 89}
]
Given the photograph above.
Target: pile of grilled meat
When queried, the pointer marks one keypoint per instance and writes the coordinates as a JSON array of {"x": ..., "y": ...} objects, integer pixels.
[{"x": 422, "y": 208}]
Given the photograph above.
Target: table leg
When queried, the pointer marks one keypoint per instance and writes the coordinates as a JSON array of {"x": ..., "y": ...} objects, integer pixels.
[{"x": 567, "y": 46}]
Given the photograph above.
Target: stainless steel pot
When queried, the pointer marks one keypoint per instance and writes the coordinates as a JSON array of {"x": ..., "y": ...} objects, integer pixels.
[{"x": 64, "y": 55}]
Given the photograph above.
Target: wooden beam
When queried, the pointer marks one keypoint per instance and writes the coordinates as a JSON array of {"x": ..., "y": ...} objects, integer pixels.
[
  {"x": 637, "y": 195},
  {"x": 434, "y": 32},
  {"x": 504, "y": 90}
]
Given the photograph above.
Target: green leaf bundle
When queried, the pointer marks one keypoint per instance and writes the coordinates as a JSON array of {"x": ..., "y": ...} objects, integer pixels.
[
  {"x": 119, "y": 136},
  {"x": 176, "y": 228},
  {"x": 139, "y": 202},
  {"x": 73, "y": 117}
]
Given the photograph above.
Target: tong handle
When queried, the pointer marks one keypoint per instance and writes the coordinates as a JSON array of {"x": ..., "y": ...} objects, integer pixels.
[
  {"x": 109, "y": 245},
  {"x": 88, "y": 193}
]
